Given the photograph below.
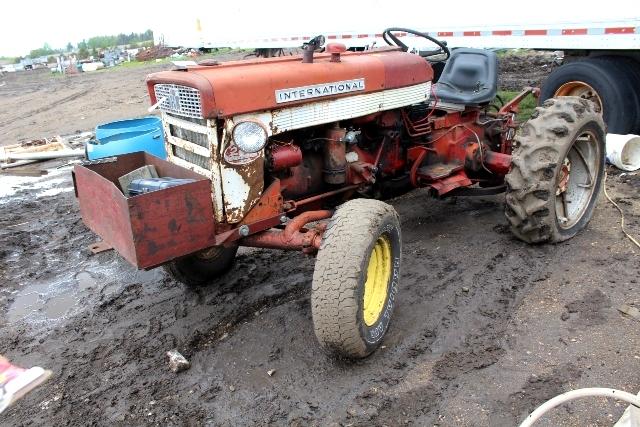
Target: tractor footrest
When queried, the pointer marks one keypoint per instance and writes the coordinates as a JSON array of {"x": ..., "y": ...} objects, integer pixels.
[
  {"x": 450, "y": 183},
  {"x": 438, "y": 171}
]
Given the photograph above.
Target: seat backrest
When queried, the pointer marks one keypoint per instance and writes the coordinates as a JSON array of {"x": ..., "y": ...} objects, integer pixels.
[{"x": 472, "y": 72}]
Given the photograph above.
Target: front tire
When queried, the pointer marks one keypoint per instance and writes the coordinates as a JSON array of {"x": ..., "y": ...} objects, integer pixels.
[
  {"x": 202, "y": 267},
  {"x": 356, "y": 276},
  {"x": 556, "y": 173}
]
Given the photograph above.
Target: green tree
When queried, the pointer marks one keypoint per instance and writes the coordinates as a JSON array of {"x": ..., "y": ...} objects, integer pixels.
[
  {"x": 44, "y": 50},
  {"x": 69, "y": 47},
  {"x": 106, "y": 42},
  {"x": 83, "y": 52}
]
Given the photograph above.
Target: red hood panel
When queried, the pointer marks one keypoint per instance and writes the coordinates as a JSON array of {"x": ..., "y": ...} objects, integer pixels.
[{"x": 238, "y": 87}]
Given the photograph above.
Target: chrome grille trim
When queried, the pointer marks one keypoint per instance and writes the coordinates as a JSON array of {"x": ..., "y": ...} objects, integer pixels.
[
  {"x": 198, "y": 138},
  {"x": 191, "y": 157},
  {"x": 188, "y": 140},
  {"x": 180, "y": 100},
  {"x": 333, "y": 110}
]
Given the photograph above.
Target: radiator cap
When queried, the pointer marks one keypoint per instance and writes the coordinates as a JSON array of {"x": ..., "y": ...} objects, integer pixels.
[{"x": 335, "y": 49}]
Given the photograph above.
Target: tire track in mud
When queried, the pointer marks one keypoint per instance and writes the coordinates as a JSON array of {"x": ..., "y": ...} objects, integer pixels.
[
  {"x": 489, "y": 319},
  {"x": 227, "y": 324},
  {"x": 50, "y": 106},
  {"x": 254, "y": 289}
]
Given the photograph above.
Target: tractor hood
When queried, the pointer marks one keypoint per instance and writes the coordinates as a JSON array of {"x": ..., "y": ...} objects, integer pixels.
[{"x": 237, "y": 87}]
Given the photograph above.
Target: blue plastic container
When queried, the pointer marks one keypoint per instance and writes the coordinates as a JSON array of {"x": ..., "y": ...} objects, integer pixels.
[
  {"x": 148, "y": 123},
  {"x": 151, "y": 141}
]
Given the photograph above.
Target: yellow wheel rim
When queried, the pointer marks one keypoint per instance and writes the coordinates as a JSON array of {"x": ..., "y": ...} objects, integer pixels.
[
  {"x": 378, "y": 275},
  {"x": 581, "y": 89}
]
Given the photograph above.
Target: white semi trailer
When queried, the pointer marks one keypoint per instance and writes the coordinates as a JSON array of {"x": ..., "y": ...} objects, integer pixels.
[{"x": 601, "y": 41}]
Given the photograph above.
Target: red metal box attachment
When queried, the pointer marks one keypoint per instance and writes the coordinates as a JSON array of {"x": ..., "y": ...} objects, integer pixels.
[{"x": 151, "y": 228}]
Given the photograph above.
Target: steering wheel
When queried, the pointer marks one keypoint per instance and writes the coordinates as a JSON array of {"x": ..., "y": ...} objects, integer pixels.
[{"x": 389, "y": 37}]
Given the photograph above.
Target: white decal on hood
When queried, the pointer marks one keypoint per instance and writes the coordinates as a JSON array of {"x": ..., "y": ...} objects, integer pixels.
[{"x": 316, "y": 91}]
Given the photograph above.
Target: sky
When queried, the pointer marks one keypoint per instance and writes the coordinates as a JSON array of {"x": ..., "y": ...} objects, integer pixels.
[{"x": 28, "y": 24}]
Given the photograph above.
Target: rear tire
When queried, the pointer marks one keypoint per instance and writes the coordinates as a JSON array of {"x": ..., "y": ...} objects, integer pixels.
[
  {"x": 556, "y": 173},
  {"x": 356, "y": 276},
  {"x": 202, "y": 267},
  {"x": 603, "y": 80}
]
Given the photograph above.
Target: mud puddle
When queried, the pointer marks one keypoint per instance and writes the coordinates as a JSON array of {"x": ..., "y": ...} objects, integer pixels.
[
  {"x": 50, "y": 301},
  {"x": 52, "y": 183}
]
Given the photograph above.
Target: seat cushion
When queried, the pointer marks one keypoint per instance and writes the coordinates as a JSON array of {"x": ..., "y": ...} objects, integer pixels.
[{"x": 469, "y": 78}]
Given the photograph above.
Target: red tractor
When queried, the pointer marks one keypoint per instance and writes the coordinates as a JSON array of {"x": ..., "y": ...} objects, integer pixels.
[{"x": 296, "y": 153}]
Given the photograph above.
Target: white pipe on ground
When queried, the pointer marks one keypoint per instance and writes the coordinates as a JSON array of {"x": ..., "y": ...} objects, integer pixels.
[
  {"x": 576, "y": 394},
  {"x": 624, "y": 151},
  {"x": 17, "y": 164},
  {"x": 42, "y": 155}
]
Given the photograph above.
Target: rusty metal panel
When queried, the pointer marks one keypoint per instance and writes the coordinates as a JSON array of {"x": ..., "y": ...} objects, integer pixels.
[
  {"x": 104, "y": 210},
  {"x": 248, "y": 86},
  {"x": 152, "y": 228},
  {"x": 242, "y": 179},
  {"x": 270, "y": 204}
]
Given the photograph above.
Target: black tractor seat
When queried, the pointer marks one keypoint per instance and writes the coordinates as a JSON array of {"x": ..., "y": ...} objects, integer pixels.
[{"x": 470, "y": 77}]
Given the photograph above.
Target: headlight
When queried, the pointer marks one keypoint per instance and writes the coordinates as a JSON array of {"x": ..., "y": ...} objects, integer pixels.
[{"x": 249, "y": 136}]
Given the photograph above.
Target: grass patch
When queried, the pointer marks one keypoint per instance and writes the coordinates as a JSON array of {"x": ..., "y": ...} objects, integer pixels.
[
  {"x": 133, "y": 64},
  {"x": 513, "y": 52},
  {"x": 526, "y": 106}
]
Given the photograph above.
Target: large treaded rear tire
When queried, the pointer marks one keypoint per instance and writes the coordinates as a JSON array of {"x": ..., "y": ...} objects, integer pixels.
[
  {"x": 203, "y": 267},
  {"x": 337, "y": 296},
  {"x": 542, "y": 145}
]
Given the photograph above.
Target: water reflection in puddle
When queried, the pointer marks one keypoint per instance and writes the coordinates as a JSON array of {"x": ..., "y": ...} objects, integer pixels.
[
  {"x": 51, "y": 301},
  {"x": 85, "y": 280},
  {"x": 72, "y": 292},
  {"x": 58, "y": 306},
  {"x": 24, "y": 305}
]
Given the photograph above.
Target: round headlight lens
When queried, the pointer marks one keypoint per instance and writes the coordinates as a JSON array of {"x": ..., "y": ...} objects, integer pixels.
[{"x": 249, "y": 136}]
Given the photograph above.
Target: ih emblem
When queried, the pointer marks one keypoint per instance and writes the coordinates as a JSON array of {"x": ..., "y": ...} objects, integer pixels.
[
  {"x": 173, "y": 98},
  {"x": 316, "y": 91}
]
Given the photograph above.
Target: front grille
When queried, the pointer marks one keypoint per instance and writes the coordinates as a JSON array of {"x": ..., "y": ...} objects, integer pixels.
[
  {"x": 200, "y": 137},
  {"x": 180, "y": 100},
  {"x": 190, "y": 157},
  {"x": 196, "y": 120},
  {"x": 189, "y": 135}
]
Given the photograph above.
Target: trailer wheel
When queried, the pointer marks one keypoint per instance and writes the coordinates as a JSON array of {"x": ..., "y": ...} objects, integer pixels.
[
  {"x": 630, "y": 70},
  {"x": 355, "y": 281},
  {"x": 604, "y": 82},
  {"x": 557, "y": 169},
  {"x": 202, "y": 267}
]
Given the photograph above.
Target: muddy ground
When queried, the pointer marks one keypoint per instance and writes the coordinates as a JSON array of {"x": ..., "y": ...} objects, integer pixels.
[
  {"x": 485, "y": 329},
  {"x": 526, "y": 68}
]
